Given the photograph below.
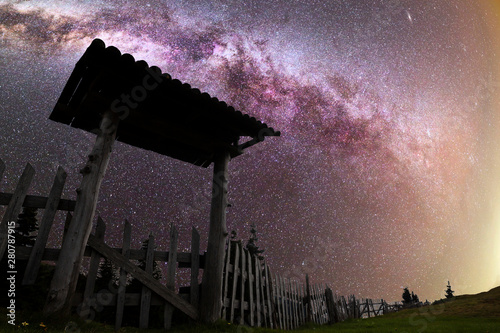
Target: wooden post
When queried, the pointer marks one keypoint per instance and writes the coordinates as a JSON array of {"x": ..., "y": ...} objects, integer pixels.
[
  {"x": 120, "y": 300},
  {"x": 65, "y": 277},
  {"x": 171, "y": 268},
  {"x": 195, "y": 267},
  {"x": 15, "y": 205},
  {"x": 146, "y": 292},
  {"x": 211, "y": 301},
  {"x": 308, "y": 300},
  {"x": 88, "y": 295},
  {"x": 236, "y": 272},
  {"x": 45, "y": 226}
]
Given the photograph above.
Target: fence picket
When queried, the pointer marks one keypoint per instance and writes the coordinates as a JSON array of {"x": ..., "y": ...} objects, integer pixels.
[
  {"x": 146, "y": 292},
  {"x": 251, "y": 281},
  {"x": 15, "y": 204},
  {"x": 171, "y": 268},
  {"x": 194, "y": 290},
  {"x": 45, "y": 226},
  {"x": 120, "y": 301},
  {"x": 88, "y": 295},
  {"x": 236, "y": 272},
  {"x": 242, "y": 286}
]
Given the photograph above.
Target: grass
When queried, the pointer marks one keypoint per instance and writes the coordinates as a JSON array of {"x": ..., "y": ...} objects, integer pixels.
[{"x": 467, "y": 313}]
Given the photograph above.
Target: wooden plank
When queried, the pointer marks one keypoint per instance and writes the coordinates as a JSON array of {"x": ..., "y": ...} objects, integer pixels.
[
  {"x": 270, "y": 298},
  {"x": 146, "y": 292},
  {"x": 277, "y": 299},
  {"x": 171, "y": 268},
  {"x": 14, "y": 206},
  {"x": 36, "y": 201},
  {"x": 120, "y": 302},
  {"x": 226, "y": 279},
  {"x": 284, "y": 294},
  {"x": 242, "y": 285},
  {"x": 251, "y": 282},
  {"x": 211, "y": 302},
  {"x": 95, "y": 259},
  {"x": 236, "y": 272},
  {"x": 44, "y": 229},
  {"x": 194, "y": 293},
  {"x": 258, "y": 288},
  {"x": 308, "y": 300},
  {"x": 295, "y": 303},
  {"x": 65, "y": 277}
]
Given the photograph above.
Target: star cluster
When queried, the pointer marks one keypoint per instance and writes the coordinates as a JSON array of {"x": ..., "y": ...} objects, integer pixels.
[{"x": 383, "y": 176}]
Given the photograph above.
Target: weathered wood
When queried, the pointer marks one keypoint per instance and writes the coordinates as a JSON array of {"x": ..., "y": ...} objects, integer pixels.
[
  {"x": 258, "y": 288},
  {"x": 330, "y": 305},
  {"x": 95, "y": 260},
  {"x": 144, "y": 278},
  {"x": 63, "y": 283},
  {"x": 242, "y": 285},
  {"x": 2, "y": 169},
  {"x": 293, "y": 291},
  {"x": 308, "y": 300},
  {"x": 14, "y": 205},
  {"x": 284, "y": 303},
  {"x": 225, "y": 288},
  {"x": 279, "y": 301},
  {"x": 270, "y": 297},
  {"x": 44, "y": 229},
  {"x": 120, "y": 302},
  {"x": 211, "y": 302},
  {"x": 194, "y": 292},
  {"x": 251, "y": 282},
  {"x": 236, "y": 272},
  {"x": 146, "y": 292},
  {"x": 67, "y": 221},
  {"x": 36, "y": 201},
  {"x": 171, "y": 268}
]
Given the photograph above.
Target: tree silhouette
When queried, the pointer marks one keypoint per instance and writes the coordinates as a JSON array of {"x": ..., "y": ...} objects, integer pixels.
[
  {"x": 407, "y": 298},
  {"x": 107, "y": 275},
  {"x": 26, "y": 226},
  {"x": 414, "y": 298},
  {"x": 251, "y": 246},
  {"x": 449, "y": 292}
]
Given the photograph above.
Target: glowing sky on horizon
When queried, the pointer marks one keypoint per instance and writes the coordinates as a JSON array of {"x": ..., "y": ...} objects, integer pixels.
[{"x": 387, "y": 171}]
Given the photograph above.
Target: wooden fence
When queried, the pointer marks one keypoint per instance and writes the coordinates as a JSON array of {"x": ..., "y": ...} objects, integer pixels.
[
  {"x": 251, "y": 294},
  {"x": 96, "y": 249}
]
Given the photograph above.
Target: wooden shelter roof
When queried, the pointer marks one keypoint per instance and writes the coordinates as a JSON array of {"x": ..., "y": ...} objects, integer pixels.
[{"x": 157, "y": 112}]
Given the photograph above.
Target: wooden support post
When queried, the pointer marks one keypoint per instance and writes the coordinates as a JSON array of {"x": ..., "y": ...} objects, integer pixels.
[
  {"x": 211, "y": 302},
  {"x": 120, "y": 301},
  {"x": 65, "y": 277},
  {"x": 171, "y": 268},
  {"x": 45, "y": 226},
  {"x": 15, "y": 205}
]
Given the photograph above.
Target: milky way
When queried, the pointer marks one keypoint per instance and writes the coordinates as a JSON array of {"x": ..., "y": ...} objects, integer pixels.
[{"x": 385, "y": 172}]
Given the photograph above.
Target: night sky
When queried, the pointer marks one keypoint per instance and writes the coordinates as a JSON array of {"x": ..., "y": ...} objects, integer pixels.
[{"x": 387, "y": 171}]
